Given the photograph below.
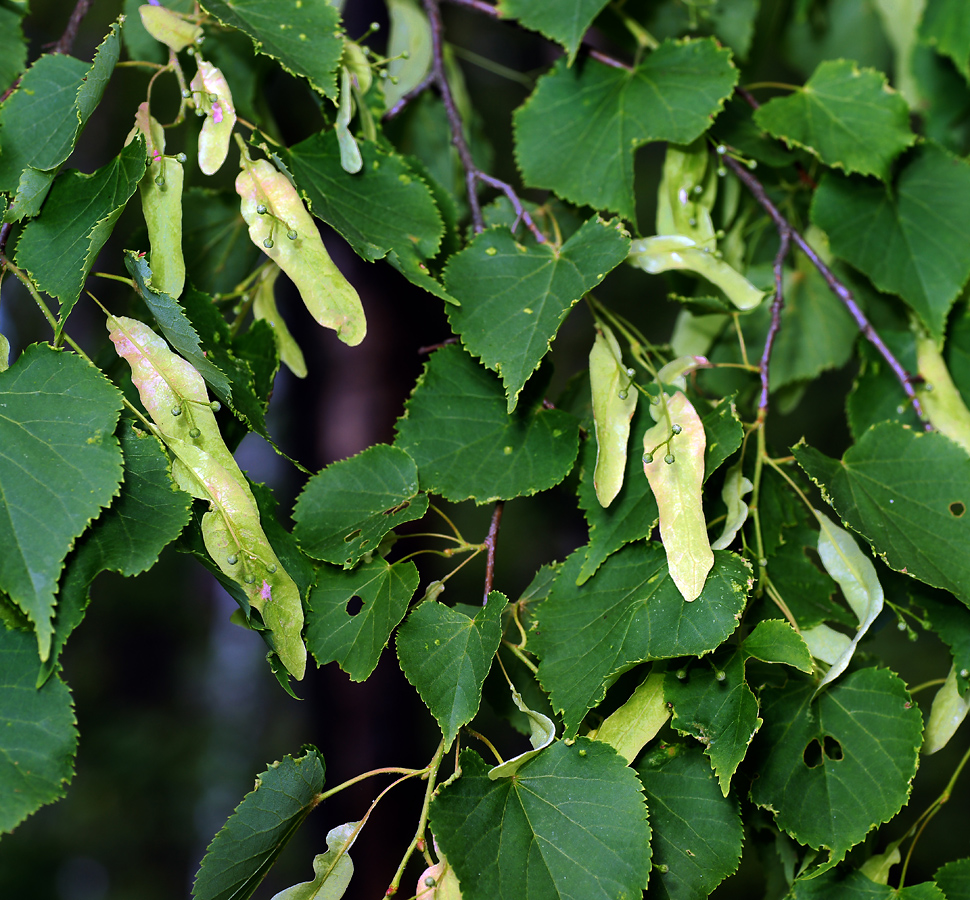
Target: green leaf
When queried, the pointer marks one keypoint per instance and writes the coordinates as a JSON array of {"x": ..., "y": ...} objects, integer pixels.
[
  {"x": 577, "y": 133},
  {"x": 38, "y": 739},
  {"x": 242, "y": 852},
  {"x": 572, "y": 823},
  {"x": 564, "y": 21},
  {"x": 59, "y": 248},
  {"x": 59, "y": 466},
  {"x": 466, "y": 446},
  {"x": 174, "y": 324},
  {"x": 347, "y": 508},
  {"x": 906, "y": 493},
  {"x": 42, "y": 120},
  {"x": 775, "y": 641},
  {"x": 147, "y": 515},
  {"x": 446, "y": 654},
  {"x": 952, "y": 623},
  {"x": 946, "y": 25},
  {"x": 629, "y": 612},
  {"x": 714, "y": 704},
  {"x": 908, "y": 237},
  {"x": 356, "y": 640},
  {"x": 305, "y": 37},
  {"x": 836, "y": 885},
  {"x": 832, "y": 768},
  {"x": 954, "y": 879},
  {"x": 13, "y": 47},
  {"x": 514, "y": 298},
  {"x": 848, "y": 117},
  {"x": 697, "y": 833},
  {"x": 386, "y": 206}
]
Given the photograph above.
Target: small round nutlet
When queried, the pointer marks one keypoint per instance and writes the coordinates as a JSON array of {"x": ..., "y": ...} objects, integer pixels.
[
  {"x": 681, "y": 674},
  {"x": 631, "y": 371},
  {"x": 647, "y": 458},
  {"x": 249, "y": 579},
  {"x": 186, "y": 93},
  {"x": 194, "y": 433},
  {"x": 429, "y": 882},
  {"x": 176, "y": 411},
  {"x": 268, "y": 243},
  {"x": 965, "y": 673},
  {"x": 215, "y": 406},
  {"x": 719, "y": 675},
  {"x": 676, "y": 429},
  {"x": 232, "y": 559},
  {"x": 261, "y": 209},
  {"x": 160, "y": 180},
  {"x": 622, "y": 395},
  {"x": 669, "y": 458},
  {"x": 292, "y": 235},
  {"x": 181, "y": 157},
  {"x": 901, "y": 625},
  {"x": 271, "y": 568}
]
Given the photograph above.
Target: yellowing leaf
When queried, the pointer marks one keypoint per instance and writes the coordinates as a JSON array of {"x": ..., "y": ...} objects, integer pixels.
[
  {"x": 675, "y": 251},
  {"x": 947, "y": 713},
  {"x": 735, "y": 487},
  {"x": 281, "y": 227},
  {"x": 264, "y": 307},
  {"x": 168, "y": 27},
  {"x": 332, "y": 870},
  {"x": 637, "y": 721},
  {"x": 212, "y": 97},
  {"x": 677, "y": 487},
  {"x": 543, "y": 734},
  {"x": 614, "y": 402},
  {"x": 854, "y": 572}
]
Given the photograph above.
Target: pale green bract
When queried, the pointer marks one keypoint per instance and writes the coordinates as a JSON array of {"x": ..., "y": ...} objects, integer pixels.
[
  {"x": 264, "y": 307},
  {"x": 281, "y": 227},
  {"x": 614, "y": 402},
  {"x": 677, "y": 487},
  {"x": 543, "y": 734},
  {"x": 947, "y": 713},
  {"x": 688, "y": 188},
  {"x": 636, "y": 722},
  {"x": 939, "y": 395},
  {"x": 168, "y": 27},
  {"x": 735, "y": 487},
  {"x": 175, "y": 397},
  {"x": 663, "y": 253},
  {"x": 212, "y": 97},
  {"x": 332, "y": 870},
  {"x": 409, "y": 49}
]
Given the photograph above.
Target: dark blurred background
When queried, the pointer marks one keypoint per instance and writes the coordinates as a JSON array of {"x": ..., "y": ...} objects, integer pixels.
[{"x": 176, "y": 708}]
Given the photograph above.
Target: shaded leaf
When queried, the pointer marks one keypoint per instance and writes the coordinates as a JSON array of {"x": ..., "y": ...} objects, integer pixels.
[
  {"x": 356, "y": 640},
  {"x": 954, "y": 879},
  {"x": 946, "y": 25},
  {"x": 834, "y": 767},
  {"x": 577, "y": 133},
  {"x": 572, "y": 823},
  {"x": 305, "y": 37},
  {"x": 714, "y": 704},
  {"x": 629, "y": 612},
  {"x": 446, "y": 654},
  {"x": 905, "y": 492},
  {"x": 60, "y": 464},
  {"x": 456, "y": 428},
  {"x": 39, "y": 739},
  {"x": 848, "y": 117},
  {"x": 514, "y": 298},
  {"x": 697, "y": 833},
  {"x": 242, "y": 852},
  {"x": 908, "y": 237},
  {"x": 345, "y": 509}
]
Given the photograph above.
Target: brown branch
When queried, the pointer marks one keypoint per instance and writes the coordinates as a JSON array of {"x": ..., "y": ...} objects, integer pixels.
[
  {"x": 784, "y": 227},
  {"x": 472, "y": 173},
  {"x": 66, "y": 41},
  {"x": 777, "y": 304},
  {"x": 411, "y": 95},
  {"x": 490, "y": 545}
]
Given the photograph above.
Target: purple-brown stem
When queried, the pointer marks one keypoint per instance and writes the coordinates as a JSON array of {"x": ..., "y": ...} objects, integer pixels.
[
  {"x": 490, "y": 545},
  {"x": 66, "y": 41},
  {"x": 777, "y": 304},
  {"x": 835, "y": 286},
  {"x": 412, "y": 94}
]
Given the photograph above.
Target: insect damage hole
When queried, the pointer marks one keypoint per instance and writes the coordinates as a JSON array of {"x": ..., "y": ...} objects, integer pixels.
[
  {"x": 354, "y": 606},
  {"x": 832, "y": 748},
  {"x": 957, "y": 509},
  {"x": 813, "y": 754}
]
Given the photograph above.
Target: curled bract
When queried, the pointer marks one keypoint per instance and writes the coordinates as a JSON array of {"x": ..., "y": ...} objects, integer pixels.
[
  {"x": 281, "y": 227},
  {"x": 212, "y": 97},
  {"x": 676, "y": 477},
  {"x": 169, "y": 27},
  {"x": 662, "y": 253},
  {"x": 175, "y": 397}
]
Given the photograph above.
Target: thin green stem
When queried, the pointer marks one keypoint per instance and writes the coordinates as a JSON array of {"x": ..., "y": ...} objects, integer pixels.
[
  {"x": 419, "y": 837},
  {"x": 27, "y": 283},
  {"x": 389, "y": 770},
  {"x": 927, "y": 684},
  {"x": 517, "y": 650},
  {"x": 128, "y": 281}
]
